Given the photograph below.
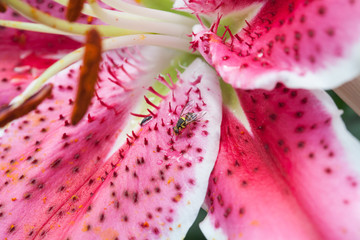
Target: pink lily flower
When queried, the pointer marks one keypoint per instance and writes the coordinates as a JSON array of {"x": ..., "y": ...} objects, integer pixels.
[{"x": 267, "y": 156}]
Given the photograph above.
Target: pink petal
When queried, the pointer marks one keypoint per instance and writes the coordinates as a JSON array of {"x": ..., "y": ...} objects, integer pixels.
[
  {"x": 295, "y": 176},
  {"x": 50, "y": 7},
  {"x": 25, "y": 55},
  {"x": 211, "y": 7},
  {"x": 44, "y": 160},
  {"x": 138, "y": 193},
  {"x": 307, "y": 44}
]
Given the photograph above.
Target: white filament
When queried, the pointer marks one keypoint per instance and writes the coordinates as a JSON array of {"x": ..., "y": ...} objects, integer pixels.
[{"x": 108, "y": 44}]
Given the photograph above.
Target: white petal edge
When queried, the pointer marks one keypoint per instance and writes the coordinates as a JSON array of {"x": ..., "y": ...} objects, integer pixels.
[
  {"x": 216, "y": 233},
  {"x": 349, "y": 143},
  {"x": 202, "y": 173}
]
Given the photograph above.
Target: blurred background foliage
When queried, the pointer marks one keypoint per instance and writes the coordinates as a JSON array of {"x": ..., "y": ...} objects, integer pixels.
[{"x": 352, "y": 122}]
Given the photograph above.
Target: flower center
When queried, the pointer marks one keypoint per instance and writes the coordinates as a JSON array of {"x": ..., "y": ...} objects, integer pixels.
[{"x": 127, "y": 25}]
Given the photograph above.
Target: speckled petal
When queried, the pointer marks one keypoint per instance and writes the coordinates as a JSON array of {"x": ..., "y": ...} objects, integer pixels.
[
  {"x": 45, "y": 161},
  {"x": 25, "y": 55},
  {"x": 153, "y": 187},
  {"x": 294, "y": 176},
  {"x": 304, "y": 44},
  {"x": 212, "y": 7}
]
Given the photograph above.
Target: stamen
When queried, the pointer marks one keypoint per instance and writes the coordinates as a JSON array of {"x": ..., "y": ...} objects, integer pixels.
[
  {"x": 62, "y": 25},
  {"x": 34, "y": 27},
  {"x": 139, "y": 24},
  {"x": 11, "y": 113},
  {"x": 108, "y": 44},
  {"x": 88, "y": 75},
  {"x": 151, "y": 13},
  {"x": 2, "y": 7},
  {"x": 74, "y": 8},
  {"x": 350, "y": 93}
]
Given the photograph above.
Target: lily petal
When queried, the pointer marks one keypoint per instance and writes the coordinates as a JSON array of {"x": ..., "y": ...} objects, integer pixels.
[
  {"x": 303, "y": 44},
  {"x": 295, "y": 176},
  {"x": 211, "y": 7},
  {"x": 25, "y": 55},
  {"x": 44, "y": 160},
  {"x": 154, "y": 186}
]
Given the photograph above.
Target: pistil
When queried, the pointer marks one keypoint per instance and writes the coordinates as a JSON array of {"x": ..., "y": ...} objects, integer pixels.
[
  {"x": 150, "y": 13},
  {"x": 140, "y": 23}
]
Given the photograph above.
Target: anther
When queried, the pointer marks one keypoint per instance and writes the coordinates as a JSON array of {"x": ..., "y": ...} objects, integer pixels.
[
  {"x": 8, "y": 114},
  {"x": 2, "y": 7},
  {"x": 88, "y": 75},
  {"x": 74, "y": 9}
]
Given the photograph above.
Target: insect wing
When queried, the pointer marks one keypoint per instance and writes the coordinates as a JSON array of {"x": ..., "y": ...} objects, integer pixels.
[
  {"x": 187, "y": 108},
  {"x": 192, "y": 117}
]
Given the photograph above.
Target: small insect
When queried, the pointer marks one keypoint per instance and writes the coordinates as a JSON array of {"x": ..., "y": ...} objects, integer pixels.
[
  {"x": 145, "y": 120},
  {"x": 187, "y": 116}
]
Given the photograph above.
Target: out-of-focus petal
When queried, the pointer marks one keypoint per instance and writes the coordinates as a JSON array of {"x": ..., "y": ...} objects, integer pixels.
[
  {"x": 294, "y": 176},
  {"x": 24, "y": 56}
]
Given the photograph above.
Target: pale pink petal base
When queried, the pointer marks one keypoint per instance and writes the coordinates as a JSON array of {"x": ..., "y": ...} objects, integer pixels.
[
  {"x": 304, "y": 44},
  {"x": 296, "y": 176}
]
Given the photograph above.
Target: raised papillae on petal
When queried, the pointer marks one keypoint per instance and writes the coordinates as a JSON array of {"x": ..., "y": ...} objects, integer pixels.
[
  {"x": 152, "y": 187},
  {"x": 44, "y": 160},
  {"x": 294, "y": 176},
  {"x": 306, "y": 44}
]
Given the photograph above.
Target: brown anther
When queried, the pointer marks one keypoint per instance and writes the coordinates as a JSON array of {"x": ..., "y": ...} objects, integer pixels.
[
  {"x": 3, "y": 7},
  {"x": 74, "y": 9},
  {"x": 88, "y": 75},
  {"x": 7, "y": 114}
]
